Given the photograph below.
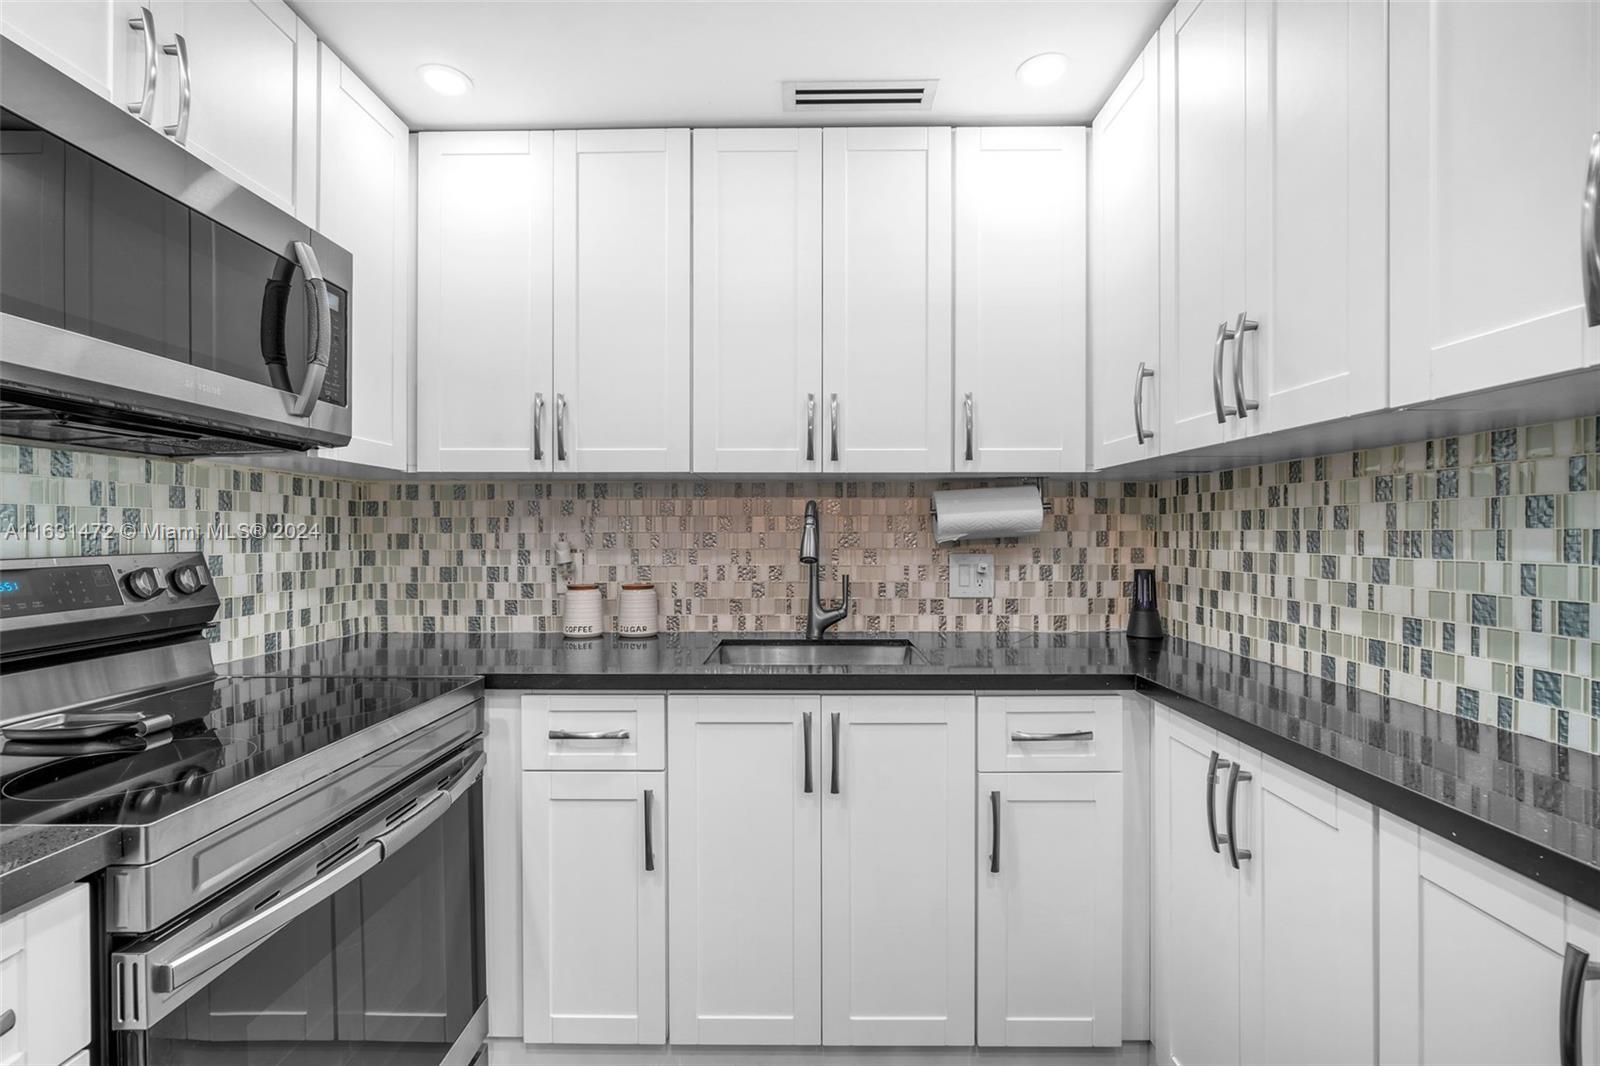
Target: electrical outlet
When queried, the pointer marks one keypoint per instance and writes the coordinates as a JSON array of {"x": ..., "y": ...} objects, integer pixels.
[{"x": 971, "y": 577}]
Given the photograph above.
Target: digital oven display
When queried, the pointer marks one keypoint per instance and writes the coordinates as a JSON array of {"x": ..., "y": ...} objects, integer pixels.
[{"x": 63, "y": 588}]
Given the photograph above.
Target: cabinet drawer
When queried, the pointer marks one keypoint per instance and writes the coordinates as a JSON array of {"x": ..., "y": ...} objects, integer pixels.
[
  {"x": 1018, "y": 734},
  {"x": 44, "y": 979},
  {"x": 594, "y": 733}
]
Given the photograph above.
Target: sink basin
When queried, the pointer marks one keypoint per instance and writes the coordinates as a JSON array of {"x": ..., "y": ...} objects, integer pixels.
[{"x": 801, "y": 654}]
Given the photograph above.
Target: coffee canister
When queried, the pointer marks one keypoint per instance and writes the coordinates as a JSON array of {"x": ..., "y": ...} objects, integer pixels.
[
  {"x": 581, "y": 611},
  {"x": 638, "y": 611}
]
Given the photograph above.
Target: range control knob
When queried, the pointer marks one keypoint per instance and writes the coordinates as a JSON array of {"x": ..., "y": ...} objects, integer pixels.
[
  {"x": 188, "y": 579},
  {"x": 143, "y": 583}
]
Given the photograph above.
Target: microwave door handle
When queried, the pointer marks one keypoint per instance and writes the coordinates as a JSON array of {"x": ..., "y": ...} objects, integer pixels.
[
  {"x": 171, "y": 976},
  {"x": 319, "y": 308}
]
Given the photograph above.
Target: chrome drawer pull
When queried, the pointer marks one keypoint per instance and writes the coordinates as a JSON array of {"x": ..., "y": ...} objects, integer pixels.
[
  {"x": 1028, "y": 738},
  {"x": 597, "y": 734}
]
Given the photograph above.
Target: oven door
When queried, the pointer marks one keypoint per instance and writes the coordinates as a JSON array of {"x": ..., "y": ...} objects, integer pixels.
[{"x": 365, "y": 947}]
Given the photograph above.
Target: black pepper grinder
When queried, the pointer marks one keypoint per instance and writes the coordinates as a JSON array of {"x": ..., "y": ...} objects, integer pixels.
[{"x": 1144, "y": 620}]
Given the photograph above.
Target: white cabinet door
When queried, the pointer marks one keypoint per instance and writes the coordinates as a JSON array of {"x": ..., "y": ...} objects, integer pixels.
[
  {"x": 502, "y": 861},
  {"x": 1452, "y": 924},
  {"x": 1317, "y": 189},
  {"x": 364, "y": 205},
  {"x": 1195, "y": 966},
  {"x": 78, "y": 39},
  {"x": 886, "y": 299},
  {"x": 594, "y": 944},
  {"x": 898, "y": 871},
  {"x": 45, "y": 978},
  {"x": 757, "y": 301},
  {"x": 253, "y": 94},
  {"x": 746, "y": 932},
  {"x": 1583, "y": 931},
  {"x": 483, "y": 302},
  {"x": 1050, "y": 910},
  {"x": 1491, "y": 111},
  {"x": 1203, "y": 90},
  {"x": 1021, "y": 300},
  {"x": 1308, "y": 922},
  {"x": 1125, "y": 270},
  {"x": 622, "y": 308}
]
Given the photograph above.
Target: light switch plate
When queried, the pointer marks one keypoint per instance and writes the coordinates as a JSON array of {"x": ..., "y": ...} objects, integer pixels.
[{"x": 971, "y": 577}]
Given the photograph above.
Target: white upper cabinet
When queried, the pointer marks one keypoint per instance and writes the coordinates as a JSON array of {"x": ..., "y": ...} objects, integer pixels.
[
  {"x": 622, "y": 305},
  {"x": 1492, "y": 110},
  {"x": 1020, "y": 299},
  {"x": 483, "y": 302},
  {"x": 252, "y": 100},
  {"x": 886, "y": 300},
  {"x": 235, "y": 82},
  {"x": 1317, "y": 237},
  {"x": 1202, "y": 81},
  {"x": 364, "y": 205},
  {"x": 757, "y": 300},
  {"x": 1125, "y": 270}
]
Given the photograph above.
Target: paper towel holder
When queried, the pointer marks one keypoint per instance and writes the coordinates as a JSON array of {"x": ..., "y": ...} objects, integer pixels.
[{"x": 1036, "y": 482}]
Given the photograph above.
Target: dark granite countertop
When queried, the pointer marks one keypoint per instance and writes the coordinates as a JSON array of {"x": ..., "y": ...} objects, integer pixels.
[
  {"x": 38, "y": 859},
  {"x": 1528, "y": 804}
]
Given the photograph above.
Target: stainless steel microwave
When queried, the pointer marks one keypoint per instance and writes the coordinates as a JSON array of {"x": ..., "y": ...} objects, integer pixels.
[{"x": 147, "y": 302}]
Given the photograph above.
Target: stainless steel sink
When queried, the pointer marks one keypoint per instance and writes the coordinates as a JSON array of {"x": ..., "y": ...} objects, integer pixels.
[{"x": 802, "y": 654}]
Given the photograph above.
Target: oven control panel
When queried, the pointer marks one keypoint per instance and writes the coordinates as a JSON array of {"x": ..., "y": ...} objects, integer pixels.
[
  {"x": 58, "y": 588},
  {"x": 54, "y": 604}
]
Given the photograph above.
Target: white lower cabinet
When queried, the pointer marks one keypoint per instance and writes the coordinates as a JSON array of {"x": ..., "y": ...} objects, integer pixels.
[
  {"x": 1050, "y": 910},
  {"x": 594, "y": 945},
  {"x": 1263, "y": 908},
  {"x": 45, "y": 979},
  {"x": 897, "y": 871},
  {"x": 746, "y": 826},
  {"x": 1457, "y": 928}
]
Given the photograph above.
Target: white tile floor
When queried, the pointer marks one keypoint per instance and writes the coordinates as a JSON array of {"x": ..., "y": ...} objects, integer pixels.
[{"x": 513, "y": 1053}]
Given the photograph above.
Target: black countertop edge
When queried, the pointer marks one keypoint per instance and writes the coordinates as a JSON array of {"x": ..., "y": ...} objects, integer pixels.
[
  {"x": 801, "y": 681},
  {"x": 1561, "y": 873},
  {"x": 35, "y": 860}
]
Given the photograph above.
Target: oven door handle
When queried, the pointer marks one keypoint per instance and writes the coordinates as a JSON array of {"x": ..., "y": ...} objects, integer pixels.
[
  {"x": 171, "y": 976},
  {"x": 319, "y": 308}
]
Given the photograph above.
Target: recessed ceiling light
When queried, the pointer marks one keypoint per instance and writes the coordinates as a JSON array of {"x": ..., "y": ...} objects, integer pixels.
[
  {"x": 448, "y": 81},
  {"x": 1043, "y": 69}
]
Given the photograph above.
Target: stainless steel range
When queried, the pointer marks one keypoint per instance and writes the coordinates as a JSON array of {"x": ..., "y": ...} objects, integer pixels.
[{"x": 302, "y": 868}]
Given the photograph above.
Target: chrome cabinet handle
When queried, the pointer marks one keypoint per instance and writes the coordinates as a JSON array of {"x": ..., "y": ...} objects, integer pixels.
[
  {"x": 1076, "y": 734},
  {"x": 833, "y": 427},
  {"x": 805, "y": 726},
  {"x": 811, "y": 427},
  {"x": 1576, "y": 969},
  {"x": 968, "y": 404},
  {"x": 1139, "y": 431},
  {"x": 994, "y": 831},
  {"x": 538, "y": 427},
  {"x": 145, "y": 25},
  {"x": 1241, "y": 327},
  {"x": 179, "y": 131},
  {"x": 1589, "y": 238},
  {"x": 319, "y": 309},
  {"x": 1211, "y": 799},
  {"x": 833, "y": 769},
  {"x": 649, "y": 839},
  {"x": 598, "y": 734},
  {"x": 8, "y": 1021},
  {"x": 1235, "y": 852},
  {"x": 1224, "y": 335},
  {"x": 561, "y": 428}
]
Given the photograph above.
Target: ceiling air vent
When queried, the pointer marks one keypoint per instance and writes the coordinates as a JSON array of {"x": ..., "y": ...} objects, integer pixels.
[{"x": 906, "y": 94}]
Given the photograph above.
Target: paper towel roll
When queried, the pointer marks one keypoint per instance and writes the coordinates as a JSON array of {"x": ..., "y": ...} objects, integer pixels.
[{"x": 986, "y": 514}]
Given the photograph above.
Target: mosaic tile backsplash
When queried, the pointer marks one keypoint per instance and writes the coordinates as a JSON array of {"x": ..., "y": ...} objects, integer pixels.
[{"x": 1458, "y": 573}]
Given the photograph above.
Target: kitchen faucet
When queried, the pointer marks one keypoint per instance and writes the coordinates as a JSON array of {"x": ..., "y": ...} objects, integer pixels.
[{"x": 819, "y": 619}]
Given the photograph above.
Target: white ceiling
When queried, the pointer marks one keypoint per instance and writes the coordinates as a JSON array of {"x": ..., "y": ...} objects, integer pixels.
[{"x": 558, "y": 63}]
